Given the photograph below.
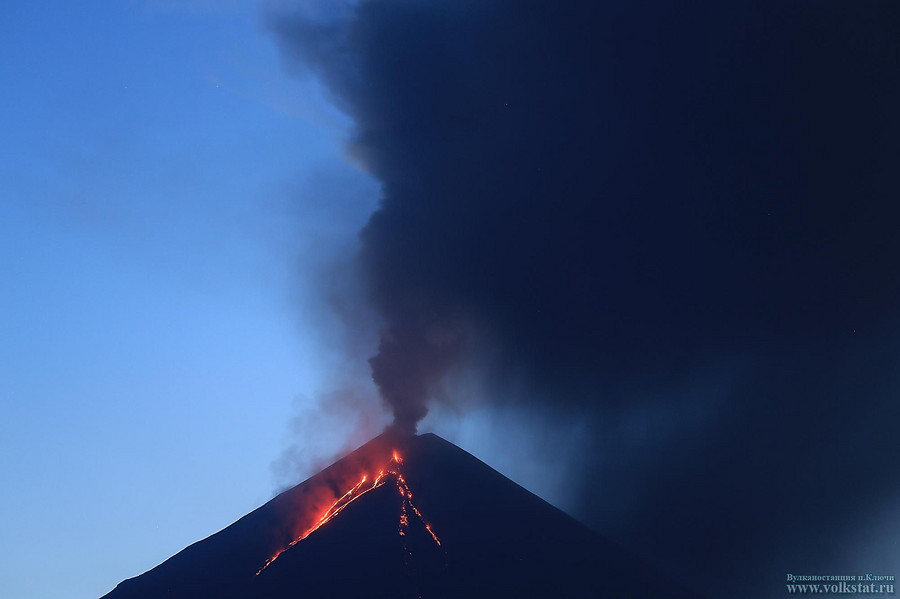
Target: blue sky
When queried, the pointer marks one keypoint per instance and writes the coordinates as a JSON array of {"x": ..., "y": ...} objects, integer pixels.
[{"x": 169, "y": 200}]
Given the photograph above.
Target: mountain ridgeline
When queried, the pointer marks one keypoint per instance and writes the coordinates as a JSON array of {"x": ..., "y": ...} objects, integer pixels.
[{"x": 403, "y": 517}]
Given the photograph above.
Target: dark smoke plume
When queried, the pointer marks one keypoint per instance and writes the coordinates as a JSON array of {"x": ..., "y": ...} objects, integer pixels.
[{"x": 649, "y": 207}]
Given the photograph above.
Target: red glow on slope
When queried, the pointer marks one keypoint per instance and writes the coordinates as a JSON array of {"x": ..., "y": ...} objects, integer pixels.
[{"x": 392, "y": 470}]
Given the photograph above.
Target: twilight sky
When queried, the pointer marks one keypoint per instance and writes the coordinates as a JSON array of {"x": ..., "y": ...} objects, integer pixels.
[
  {"x": 168, "y": 196},
  {"x": 650, "y": 246}
]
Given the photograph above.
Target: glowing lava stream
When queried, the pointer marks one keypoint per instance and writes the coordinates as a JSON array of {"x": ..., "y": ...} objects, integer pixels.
[{"x": 392, "y": 470}]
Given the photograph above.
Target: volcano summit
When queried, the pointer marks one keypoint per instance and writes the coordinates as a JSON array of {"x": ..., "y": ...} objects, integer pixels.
[{"x": 402, "y": 516}]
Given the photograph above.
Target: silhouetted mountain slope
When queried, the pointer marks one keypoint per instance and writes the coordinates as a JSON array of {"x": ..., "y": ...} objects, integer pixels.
[{"x": 488, "y": 537}]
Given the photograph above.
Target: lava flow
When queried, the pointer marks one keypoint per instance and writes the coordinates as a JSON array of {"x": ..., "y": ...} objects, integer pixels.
[{"x": 392, "y": 472}]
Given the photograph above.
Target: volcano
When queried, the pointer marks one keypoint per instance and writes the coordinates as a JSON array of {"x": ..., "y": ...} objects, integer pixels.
[{"x": 402, "y": 516}]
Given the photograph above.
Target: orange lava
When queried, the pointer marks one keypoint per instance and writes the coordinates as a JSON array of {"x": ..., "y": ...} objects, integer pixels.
[{"x": 392, "y": 470}]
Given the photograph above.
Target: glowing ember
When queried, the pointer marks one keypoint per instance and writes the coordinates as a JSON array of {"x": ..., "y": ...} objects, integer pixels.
[{"x": 392, "y": 471}]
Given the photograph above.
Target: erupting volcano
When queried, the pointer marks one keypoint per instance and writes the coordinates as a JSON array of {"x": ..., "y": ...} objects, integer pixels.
[
  {"x": 391, "y": 472},
  {"x": 402, "y": 516}
]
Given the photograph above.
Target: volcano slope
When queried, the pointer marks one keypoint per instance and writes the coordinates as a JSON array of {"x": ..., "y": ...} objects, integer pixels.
[{"x": 402, "y": 516}]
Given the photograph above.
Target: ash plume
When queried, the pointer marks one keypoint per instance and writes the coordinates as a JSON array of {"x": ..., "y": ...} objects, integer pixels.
[{"x": 649, "y": 208}]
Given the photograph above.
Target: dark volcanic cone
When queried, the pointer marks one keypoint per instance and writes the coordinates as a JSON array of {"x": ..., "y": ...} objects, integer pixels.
[{"x": 437, "y": 522}]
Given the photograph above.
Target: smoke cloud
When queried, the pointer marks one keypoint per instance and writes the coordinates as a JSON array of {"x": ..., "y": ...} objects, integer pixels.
[{"x": 657, "y": 216}]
